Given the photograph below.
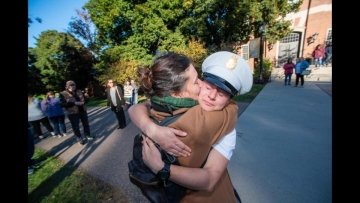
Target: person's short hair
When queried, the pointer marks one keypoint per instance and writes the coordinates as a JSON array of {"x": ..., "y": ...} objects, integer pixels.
[{"x": 70, "y": 83}]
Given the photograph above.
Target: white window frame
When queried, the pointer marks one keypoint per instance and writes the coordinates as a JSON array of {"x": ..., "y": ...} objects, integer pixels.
[{"x": 245, "y": 51}]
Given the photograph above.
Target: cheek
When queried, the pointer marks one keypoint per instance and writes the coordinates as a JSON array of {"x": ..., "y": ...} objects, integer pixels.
[
  {"x": 222, "y": 102},
  {"x": 197, "y": 90}
]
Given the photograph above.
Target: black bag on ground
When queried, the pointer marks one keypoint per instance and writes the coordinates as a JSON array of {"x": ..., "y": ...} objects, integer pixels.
[{"x": 154, "y": 189}]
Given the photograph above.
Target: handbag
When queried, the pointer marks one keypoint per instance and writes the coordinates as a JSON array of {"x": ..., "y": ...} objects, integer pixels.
[
  {"x": 306, "y": 72},
  {"x": 154, "y": 189}
]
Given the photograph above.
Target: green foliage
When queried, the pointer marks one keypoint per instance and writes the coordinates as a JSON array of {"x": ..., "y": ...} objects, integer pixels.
[
  {"x": 133, "y": 31},
  {"x": 35, "y": 85},
  {"x": 96, "y": 102},
  {"x": 248, "y": 97},
  {"x": 195, "y": 50},
  {"x": 120, "y": 71},
  {"x": 60, "y": 57},
  {"x": 80, "y": 26},
  {"x": 272, "y": 14},
  {"x": 160, "y": 25},
  {"x": 266, "y": 71}
]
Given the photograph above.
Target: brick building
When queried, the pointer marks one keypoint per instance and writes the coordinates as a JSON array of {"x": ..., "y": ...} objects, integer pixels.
[{"x": 311, "y": 25}]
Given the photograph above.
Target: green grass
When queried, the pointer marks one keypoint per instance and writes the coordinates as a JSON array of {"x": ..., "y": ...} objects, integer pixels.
[
  {"x": 96, "y": 102},
  {"x": 248, "y": 97},
  {"x": 52, "y": 181}
]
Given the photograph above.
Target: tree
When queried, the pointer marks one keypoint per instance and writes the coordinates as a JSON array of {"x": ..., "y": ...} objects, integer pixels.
[
  {"x": 135, "y": 30},
  {"x": 34, "y": 82},
  {"x": 60, "y": 57},
  {"x": 272, "y": 14},
  {"x": 82, "y": 27},
  {"x": 30, "y": 20}
]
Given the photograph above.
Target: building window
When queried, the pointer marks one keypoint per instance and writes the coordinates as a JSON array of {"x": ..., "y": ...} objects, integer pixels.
[
  {"x": 293, "y": 37},
  {"x": 329, "y": 35},
  {"x": 245, "y": 51}
]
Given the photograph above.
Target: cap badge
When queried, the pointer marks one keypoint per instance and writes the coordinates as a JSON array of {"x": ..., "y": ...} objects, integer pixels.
[{"x": 231, "y": 63}]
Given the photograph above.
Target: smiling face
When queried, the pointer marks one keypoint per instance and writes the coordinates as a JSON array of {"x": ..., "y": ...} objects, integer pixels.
[{"x": 212, "y": 98}]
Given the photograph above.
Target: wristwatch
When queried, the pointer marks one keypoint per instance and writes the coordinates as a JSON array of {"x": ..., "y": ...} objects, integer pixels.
[{"x": 164, "y": 173}]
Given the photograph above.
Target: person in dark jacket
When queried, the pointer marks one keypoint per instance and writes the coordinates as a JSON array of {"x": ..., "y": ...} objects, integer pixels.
[
  {"x": 116, "y": 101},
  {"x": 73, "y": 101}
]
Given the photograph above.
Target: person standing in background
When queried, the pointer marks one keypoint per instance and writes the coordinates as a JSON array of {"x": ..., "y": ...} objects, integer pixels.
[
  {"x": 36, "y": 116},
  {"x": 288, "y": 71},
  {"x": 301, "y": 65},
  {"x": 54, "y": 111},
  {"x": 328, "y": 53},
  {"x": 128, "y": 89},
  {"x": 134, "y": 99},
  {"x": 116, "y": 101},
  {"x": 73, "y": 101}
]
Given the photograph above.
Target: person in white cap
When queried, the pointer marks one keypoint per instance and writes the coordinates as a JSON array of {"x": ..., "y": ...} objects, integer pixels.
[{"x": 225, "y": 75}]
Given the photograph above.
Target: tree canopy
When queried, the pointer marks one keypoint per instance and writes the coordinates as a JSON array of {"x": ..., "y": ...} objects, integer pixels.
[
  {"x": 128, "y": 33},
  {"x": 60, "y": 57}
]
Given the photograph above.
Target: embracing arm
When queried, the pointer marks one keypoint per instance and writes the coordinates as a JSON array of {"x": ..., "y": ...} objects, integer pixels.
[
  {"x": 164, "y": 136},
  {"x": 193, "y": 178}
]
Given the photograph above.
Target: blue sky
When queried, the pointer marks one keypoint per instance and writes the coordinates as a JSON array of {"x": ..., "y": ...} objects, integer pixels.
[{"x": 55, "y": 15}]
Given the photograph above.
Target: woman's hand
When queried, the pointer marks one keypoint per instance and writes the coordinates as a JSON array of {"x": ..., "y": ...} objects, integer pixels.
[
  {"x": 164, "y": 136},
  {"x": 151, "y": 155},
  {"x": 167, "y": 138}
]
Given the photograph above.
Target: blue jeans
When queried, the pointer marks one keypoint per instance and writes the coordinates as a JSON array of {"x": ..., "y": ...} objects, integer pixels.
[
  {"x": 318, "y": 61},
  {"x": 328, "y": 59},
  {"x": 59, "y": 124},
  {"x": 288, "y": 79}
]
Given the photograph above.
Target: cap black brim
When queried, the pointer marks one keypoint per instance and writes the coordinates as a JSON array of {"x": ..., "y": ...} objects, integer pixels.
[{"x": 218, "y": 84}]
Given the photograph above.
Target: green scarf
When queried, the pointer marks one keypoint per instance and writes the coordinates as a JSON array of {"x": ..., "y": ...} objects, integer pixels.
[{"x": 174, "y": 103}]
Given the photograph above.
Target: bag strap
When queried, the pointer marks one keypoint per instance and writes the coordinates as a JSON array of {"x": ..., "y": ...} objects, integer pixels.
[
  {"x": 237, "y": 195},
  {"x": 165, "y": 122},
  {"x": 117, "y": 91},
  {"x": 168, "y": 120}
]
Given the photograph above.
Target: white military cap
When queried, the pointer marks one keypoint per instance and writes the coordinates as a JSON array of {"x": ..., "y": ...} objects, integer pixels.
[{"x": 228, "y": 72}]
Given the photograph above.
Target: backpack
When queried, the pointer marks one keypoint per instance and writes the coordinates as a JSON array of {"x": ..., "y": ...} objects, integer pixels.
[{"x": 151, "y": 186}]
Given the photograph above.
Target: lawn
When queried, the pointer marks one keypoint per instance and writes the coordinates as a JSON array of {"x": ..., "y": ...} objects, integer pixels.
[
  {"x": 52, "y": 181},
  {"x": 248, "y": 97}
]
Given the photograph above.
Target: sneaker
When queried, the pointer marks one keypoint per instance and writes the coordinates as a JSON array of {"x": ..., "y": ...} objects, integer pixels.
[
  {"x": 89, "y": 137},
  {"x": 53, "y": 134},
  {"x": 81, "y": 141},
  {"x": 41, "y": 136},
  {"x": 59, "y": 135},
  {"x": 64, "y": 134}
]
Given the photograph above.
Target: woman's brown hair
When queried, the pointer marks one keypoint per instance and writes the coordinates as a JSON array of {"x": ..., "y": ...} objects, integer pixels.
[{"x": 165, "y": 75}]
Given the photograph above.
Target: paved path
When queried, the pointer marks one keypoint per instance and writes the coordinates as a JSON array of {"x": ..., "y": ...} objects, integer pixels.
[{"x": 284, "y": 146}]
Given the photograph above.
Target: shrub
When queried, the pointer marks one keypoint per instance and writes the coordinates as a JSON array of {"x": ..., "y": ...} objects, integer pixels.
[{"x": 266, "y": 72}]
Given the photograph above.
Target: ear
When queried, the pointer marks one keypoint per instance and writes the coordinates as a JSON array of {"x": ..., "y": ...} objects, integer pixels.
[{"x": 176, "y": 94}]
